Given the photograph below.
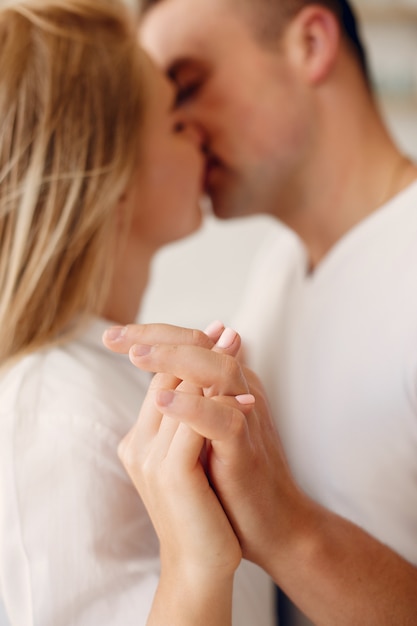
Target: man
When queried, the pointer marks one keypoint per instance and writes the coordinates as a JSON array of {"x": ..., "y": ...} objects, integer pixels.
[{"x": 282, "y": 94}]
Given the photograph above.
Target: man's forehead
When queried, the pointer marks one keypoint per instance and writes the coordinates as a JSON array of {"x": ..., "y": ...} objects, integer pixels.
[{"x": 174, "y": 30}]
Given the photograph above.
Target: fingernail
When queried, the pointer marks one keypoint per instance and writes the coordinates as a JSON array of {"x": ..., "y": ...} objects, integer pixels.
[
  {"x": 116, "y": 333},
  {"x": 139, "y": 350},
  {"x": 214, "y": 329},
  {"x": 165, "y": 397},
  {"x": 226, "y": 338},
  {"x": 245, "y": 398}
]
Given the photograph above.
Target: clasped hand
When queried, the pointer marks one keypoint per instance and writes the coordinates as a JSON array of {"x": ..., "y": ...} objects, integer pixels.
[{"x": 204, "y": 453}]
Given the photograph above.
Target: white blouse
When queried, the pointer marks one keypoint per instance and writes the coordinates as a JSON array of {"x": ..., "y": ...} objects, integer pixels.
[{"x": 77, "y": 547}]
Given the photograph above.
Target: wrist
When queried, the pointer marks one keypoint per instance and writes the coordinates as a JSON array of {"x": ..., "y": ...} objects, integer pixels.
[
  {"x": 190, "y": 596},
  {"x": 297, "y": 539},
  {"x": 181, "y": 575}
]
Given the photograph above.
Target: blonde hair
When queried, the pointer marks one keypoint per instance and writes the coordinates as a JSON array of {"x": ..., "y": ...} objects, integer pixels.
[{"x": 71, "y": 105}]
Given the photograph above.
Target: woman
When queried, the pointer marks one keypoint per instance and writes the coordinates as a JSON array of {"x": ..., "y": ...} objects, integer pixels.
[{"x": 95, "y": 177}]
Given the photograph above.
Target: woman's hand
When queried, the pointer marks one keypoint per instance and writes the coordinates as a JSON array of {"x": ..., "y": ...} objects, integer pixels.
[
  {"x": 199, "y": 550},
  {"x": 164, "y": 459}
]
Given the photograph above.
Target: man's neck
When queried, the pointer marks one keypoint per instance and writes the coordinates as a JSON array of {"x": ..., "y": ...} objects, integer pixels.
[{"x": 344, "y": 187}]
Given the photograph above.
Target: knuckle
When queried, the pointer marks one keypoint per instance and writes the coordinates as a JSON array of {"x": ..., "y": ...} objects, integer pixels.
[
  {"x": 171, "y": 350},
  {"x": 230, "y": 367},
  {"x": 127, "y": 456},
  {"x": 151, "y": 473},
  {"x": 233, "y": 421},
  {"x": 237, "y": 424},
  {"x": 171, "y": 475},
  {"x": 148, "y": 470},
  {"x": 198, "y": 338}
]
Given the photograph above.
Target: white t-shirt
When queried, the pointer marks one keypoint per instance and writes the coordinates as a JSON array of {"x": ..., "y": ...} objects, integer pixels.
[
  {"x": 77, "y": 547},
  {"x": 337, "y": 353}
]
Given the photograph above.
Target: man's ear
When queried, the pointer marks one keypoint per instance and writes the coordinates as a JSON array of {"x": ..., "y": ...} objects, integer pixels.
[{"x": 313, "y": 39}]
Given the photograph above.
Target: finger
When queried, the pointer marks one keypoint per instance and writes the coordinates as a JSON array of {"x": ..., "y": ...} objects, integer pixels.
[
  {"x": 186, "y": 447},
  {"x": 135, "y": 448},
  {"x": 177, "y": 447},
  {"x": 149, "y": 420},
  {"x": 218, "y": 419},
  {"x": 217, "y": 372},
  {"x": 214, "y": 330},
  {"x": 121, "y": 338},
  {"x": 229, "y": 342}
]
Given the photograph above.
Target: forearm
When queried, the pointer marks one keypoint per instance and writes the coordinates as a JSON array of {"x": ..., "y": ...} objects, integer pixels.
[
  {"x": 338, "y": 574},
  {"x": 191, "y": 600}
]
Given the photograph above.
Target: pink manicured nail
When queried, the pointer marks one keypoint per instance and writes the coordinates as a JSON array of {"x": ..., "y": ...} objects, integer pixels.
[
  {"x": 214, "y": 329},
  {"x": 245, "y": 398},
  {"x": 226, "y": 338},
  {"x": 116, "y": 333},
  {"x": 165, "y": 397},
  {"x": 140, "y": 350}
]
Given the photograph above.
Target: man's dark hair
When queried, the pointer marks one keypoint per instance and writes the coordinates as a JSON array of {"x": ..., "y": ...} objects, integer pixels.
[
  {"x": 276, "y": 13},
  {"x": 274, "y": 16}
]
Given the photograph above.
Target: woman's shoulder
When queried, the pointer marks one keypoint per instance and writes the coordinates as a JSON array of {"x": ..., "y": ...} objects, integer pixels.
[{"x": 78, "y": 379}]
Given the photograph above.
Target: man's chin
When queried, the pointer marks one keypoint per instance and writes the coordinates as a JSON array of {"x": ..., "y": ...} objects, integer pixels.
[
  {"x": 226, "y": 197},
  {"x": 225, "y": 209}
]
